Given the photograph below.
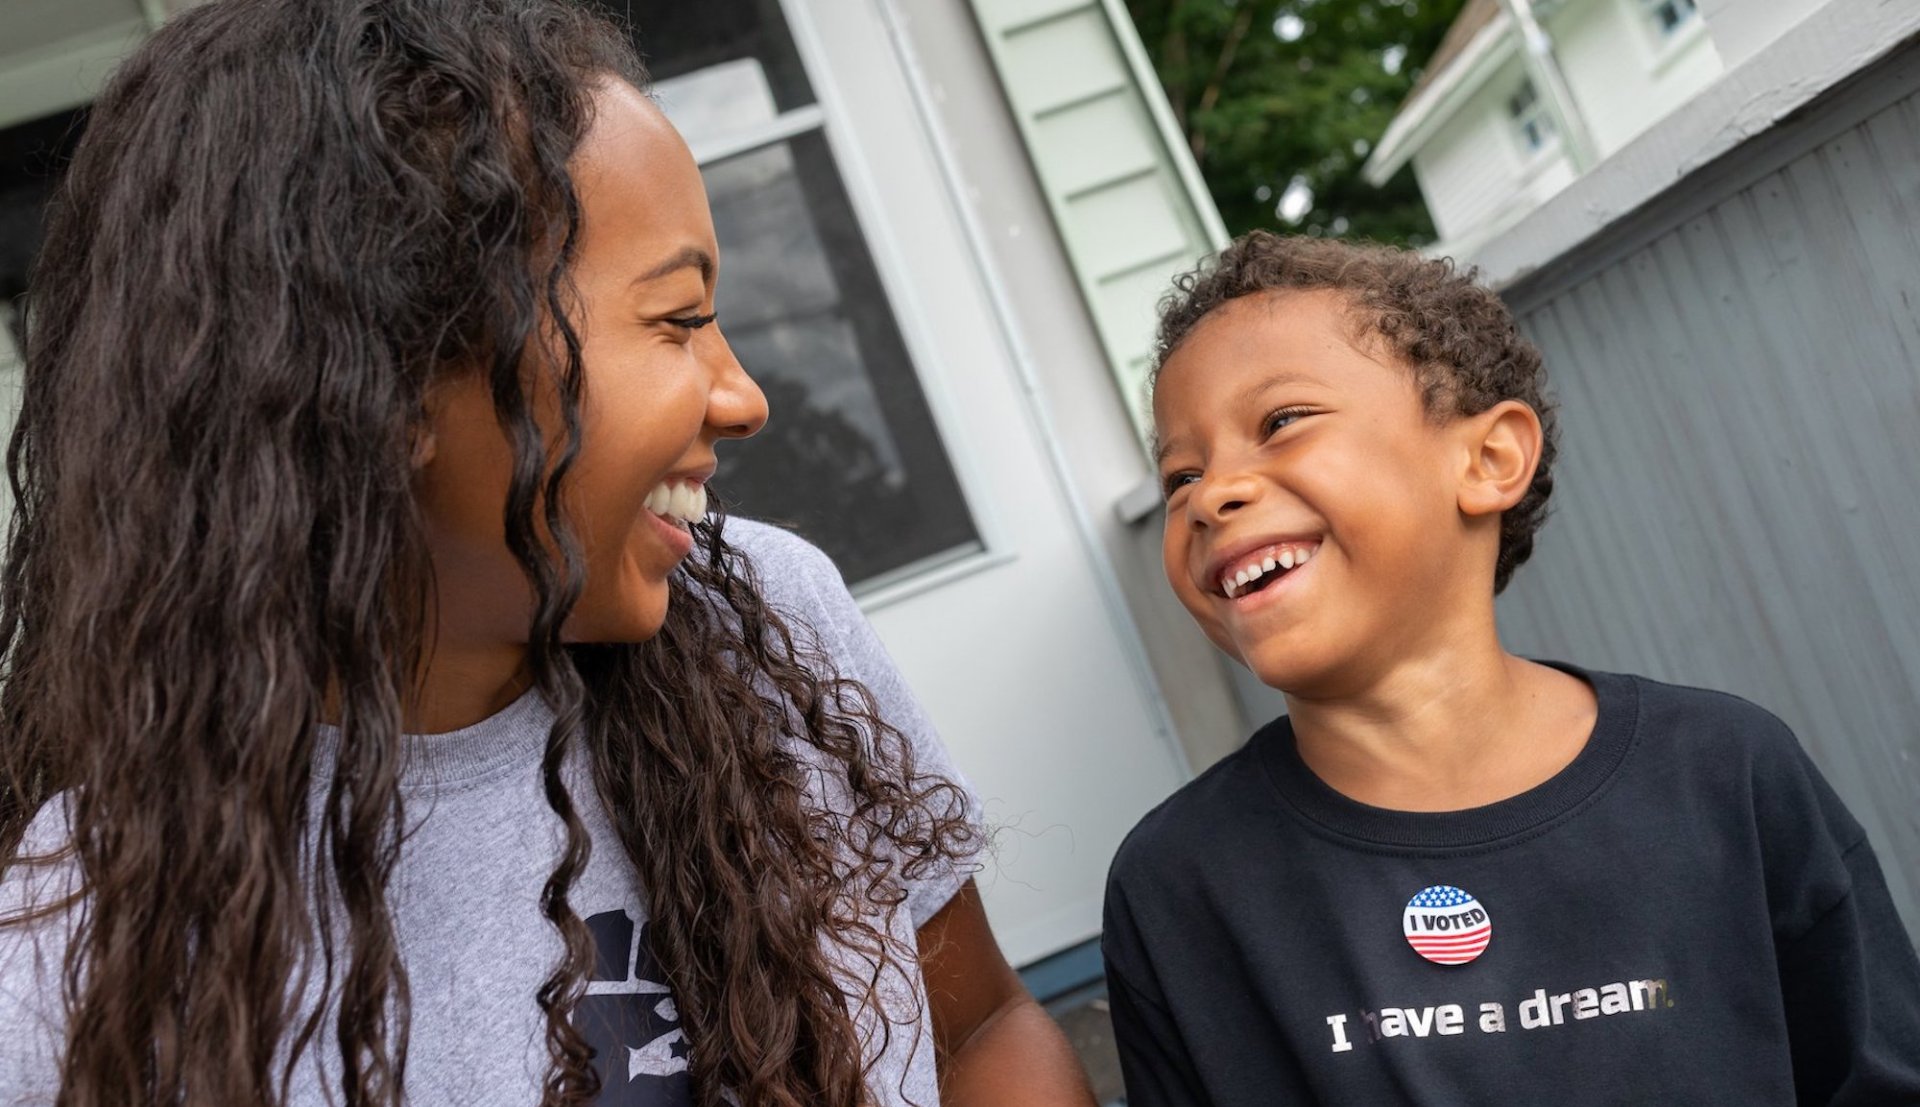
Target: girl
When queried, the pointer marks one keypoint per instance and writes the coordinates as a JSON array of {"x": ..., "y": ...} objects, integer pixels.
[{"x": 373, "y": 385}]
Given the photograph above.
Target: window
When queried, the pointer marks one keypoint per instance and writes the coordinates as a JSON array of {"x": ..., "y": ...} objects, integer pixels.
[
  {"x": 850, "y": 457},
  {"x": 1670, "y": 15},
  {"x": 1532, "y": 126},
  {"x": 32, "y": 156}
]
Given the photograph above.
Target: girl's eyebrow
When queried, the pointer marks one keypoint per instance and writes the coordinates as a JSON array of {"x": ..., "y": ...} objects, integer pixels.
[{"x": 687, "y": 257}]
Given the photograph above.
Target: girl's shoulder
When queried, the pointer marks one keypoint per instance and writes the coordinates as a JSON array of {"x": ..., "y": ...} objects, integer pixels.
[
  {"x": 43, "y": 872},
  {"x": 771, "y": 547},
  {"x": 37, "y": 888},
  {"x": 797, "y": 579}
]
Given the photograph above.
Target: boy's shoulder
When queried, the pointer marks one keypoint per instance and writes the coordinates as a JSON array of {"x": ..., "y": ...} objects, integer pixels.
[
  {"x": 1200, "y": 818},
  {"x": 1729, "y": 748},
  {"x": 1699, "y": 723},
  {"x": 1719, "y": 743}
]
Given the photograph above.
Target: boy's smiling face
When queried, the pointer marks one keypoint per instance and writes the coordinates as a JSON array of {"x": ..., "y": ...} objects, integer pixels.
[{"x": 1286, "y": 437}]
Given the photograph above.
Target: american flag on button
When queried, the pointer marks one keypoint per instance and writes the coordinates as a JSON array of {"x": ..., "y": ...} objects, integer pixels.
[{"x": 1447, "y": 926}]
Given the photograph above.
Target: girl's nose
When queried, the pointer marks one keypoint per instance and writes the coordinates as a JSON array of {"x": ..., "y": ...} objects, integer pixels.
[{"x": 736, "y": 408}]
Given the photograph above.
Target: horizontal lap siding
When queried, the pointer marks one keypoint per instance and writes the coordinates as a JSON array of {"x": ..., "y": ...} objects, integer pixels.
[
  {"x": 1738, "y": 502},
  {"x": 1127, "y": 219}
]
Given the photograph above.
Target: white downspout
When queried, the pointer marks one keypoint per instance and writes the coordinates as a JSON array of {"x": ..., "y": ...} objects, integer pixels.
[{"x": 1536, "y": 53}]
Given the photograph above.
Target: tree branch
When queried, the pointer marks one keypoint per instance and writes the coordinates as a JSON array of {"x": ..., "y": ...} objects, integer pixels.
[
  {"x": 1211, "y": 96},
  {"x": 1175, "y": 51}
]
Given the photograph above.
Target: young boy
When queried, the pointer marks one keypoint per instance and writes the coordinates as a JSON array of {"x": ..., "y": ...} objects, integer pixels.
[{"x": 1451, "y": 875}]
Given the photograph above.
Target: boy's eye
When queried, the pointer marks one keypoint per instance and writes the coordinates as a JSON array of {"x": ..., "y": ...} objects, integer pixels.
[
  {"x": 1277, "y": 421},
  {"x": 1174, "y": 482}
]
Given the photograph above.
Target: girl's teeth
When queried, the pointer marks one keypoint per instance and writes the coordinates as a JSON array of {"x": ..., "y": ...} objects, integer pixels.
[
  {"x": 1286, "y": 559},
  {"x": 685, "y": 502}
]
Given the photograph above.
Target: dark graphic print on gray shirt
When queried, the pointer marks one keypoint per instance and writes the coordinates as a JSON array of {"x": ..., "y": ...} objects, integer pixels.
[{"x": 629, "y": 1018}]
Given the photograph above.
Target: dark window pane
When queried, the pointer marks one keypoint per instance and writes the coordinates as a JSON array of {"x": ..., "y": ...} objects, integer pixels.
[
  {"x": 850, "y": 457},
  {"x": 32, "y": 157},
  {"x": 678, "y": 37}
]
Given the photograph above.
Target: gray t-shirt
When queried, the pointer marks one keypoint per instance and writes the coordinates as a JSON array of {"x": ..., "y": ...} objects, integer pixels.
[{"x": 465, "y": 900}]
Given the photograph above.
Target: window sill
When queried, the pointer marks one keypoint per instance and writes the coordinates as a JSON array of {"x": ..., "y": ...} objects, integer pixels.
[
  {"x": 937, "y": 571},
  {"x": 1535, "y": 162},
  {"x": 1680, "y": 43}
]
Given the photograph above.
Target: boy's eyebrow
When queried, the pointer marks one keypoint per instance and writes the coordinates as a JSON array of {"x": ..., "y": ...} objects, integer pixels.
[
  {"x": 1163, "y": 446},
  {"x": 1266, "y": 384}
]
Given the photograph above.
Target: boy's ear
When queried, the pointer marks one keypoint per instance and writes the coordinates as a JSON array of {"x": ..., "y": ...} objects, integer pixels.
[{"x": 1502, "y": 449}]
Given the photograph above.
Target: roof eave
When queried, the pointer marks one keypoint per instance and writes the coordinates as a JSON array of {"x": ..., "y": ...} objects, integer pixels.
[{"x": 1419, "y": 118}]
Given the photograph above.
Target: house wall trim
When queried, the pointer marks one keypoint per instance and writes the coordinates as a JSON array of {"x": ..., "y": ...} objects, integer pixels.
[
  {"x": 1822, "y": 52},
  {"x": 1862, "y": 94}
]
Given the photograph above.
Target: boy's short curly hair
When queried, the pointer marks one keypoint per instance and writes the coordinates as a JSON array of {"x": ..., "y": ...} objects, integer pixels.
[{"x": 1463, "y": 346}]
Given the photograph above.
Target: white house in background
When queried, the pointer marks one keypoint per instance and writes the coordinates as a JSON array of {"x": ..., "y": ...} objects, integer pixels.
[
  {"x": 1481, "y": 132},
  {"x": 945, "y": 225}
]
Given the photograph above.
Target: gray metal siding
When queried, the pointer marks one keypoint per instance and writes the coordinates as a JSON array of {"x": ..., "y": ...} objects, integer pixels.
[{"x": 1739, "y": 375}]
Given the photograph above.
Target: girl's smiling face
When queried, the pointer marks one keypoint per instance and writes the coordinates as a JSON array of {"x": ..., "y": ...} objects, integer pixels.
[
  {"x": 1286, "y": 440},
  {"x": 660, "y": 388}
]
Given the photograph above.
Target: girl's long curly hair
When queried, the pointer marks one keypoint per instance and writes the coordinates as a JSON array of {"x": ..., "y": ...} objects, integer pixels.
[{"x": 286, "y": 218}]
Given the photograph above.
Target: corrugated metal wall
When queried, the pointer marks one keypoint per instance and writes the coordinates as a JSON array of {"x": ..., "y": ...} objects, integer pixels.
[{"x": 1739, "y": 493}]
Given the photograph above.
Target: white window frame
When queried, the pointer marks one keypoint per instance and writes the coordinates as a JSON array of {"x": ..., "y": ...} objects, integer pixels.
[
  {"x": 1536, "y": 115},
  {"x": 828, "y": 116},
  {"x": 1688, "y": 11}
]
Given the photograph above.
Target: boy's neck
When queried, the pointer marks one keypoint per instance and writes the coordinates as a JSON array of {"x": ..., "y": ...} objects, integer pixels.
[{"x": 1447, "y": 732}]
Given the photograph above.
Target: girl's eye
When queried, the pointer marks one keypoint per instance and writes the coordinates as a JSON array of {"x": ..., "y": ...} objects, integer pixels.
[
  {"x": 1279, "y": 420},
  {"x": 1174, "y": 482},
  {"x": 691, "y": 322}
]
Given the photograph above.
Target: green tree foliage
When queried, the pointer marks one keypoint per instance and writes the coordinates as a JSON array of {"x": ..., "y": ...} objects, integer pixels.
[{"x": 1279, "y": 95}]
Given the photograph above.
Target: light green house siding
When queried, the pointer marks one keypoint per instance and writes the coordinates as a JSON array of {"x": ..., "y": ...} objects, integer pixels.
[{"x": 1126, "y": 197}]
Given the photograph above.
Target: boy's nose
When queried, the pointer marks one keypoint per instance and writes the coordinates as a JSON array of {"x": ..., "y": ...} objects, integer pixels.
[{"x": 1222, "y": 494}]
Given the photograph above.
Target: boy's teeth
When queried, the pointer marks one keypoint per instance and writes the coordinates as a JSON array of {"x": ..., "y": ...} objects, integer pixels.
[
  {"x": 685, "y": 502},
  {"x": 1235, "y": 583}
]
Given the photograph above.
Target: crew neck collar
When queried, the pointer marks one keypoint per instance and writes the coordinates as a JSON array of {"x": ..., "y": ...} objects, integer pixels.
[
  {"x": 508, "y": 737},
  {"x": 1560, "y": 795}
]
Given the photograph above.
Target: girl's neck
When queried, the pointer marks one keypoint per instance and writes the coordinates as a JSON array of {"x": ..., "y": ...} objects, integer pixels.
[
  {"x": 1448, "y": 731},
  {"x": 463, "y": 685}
]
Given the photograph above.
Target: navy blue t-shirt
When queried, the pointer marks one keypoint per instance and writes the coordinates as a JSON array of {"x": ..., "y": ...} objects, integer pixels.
[{"x": 1686, "y": 914}]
